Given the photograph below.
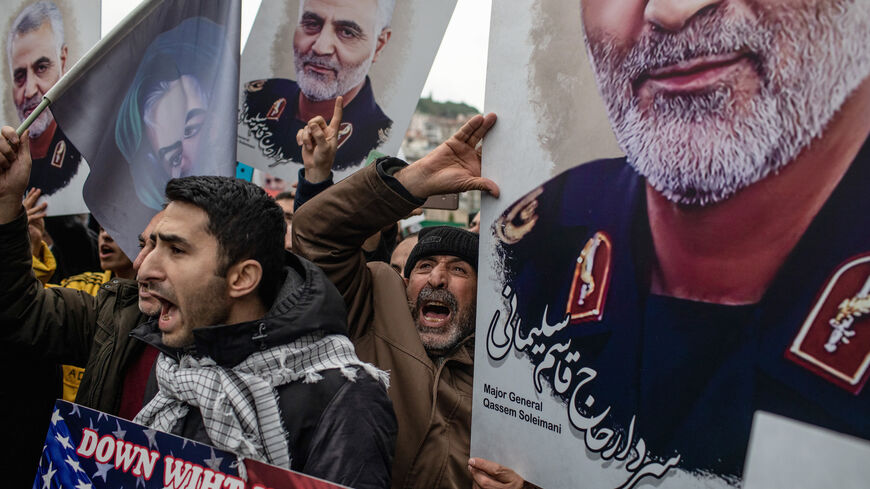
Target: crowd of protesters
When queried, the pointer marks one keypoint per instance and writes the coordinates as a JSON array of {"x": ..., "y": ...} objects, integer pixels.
[{"x": 350, "y": 357}]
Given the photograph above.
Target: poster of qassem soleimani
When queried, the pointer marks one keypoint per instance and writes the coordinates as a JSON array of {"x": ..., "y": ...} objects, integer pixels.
[
  {"x": 636, "y": 311},
  {"x": 302, "y": 54}
]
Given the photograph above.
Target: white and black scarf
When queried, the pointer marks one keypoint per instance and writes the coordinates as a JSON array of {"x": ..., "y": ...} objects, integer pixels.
[{"x": 239, "y": 405}]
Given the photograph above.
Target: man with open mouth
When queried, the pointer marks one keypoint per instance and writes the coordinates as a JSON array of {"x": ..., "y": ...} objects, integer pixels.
[
  {"x": 222, "y": 304},
  {"x": 685, "y": 274},
  {"x": 420, "y": 325}
]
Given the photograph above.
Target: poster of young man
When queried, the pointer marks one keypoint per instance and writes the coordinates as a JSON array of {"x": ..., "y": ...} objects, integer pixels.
[
  {"x": 644, "y": 307},
  {"x": 43, "y": 40},
  {"x": 164, "y": 98},
  {"x": 88, "y": 448},
  {"x": 303, "y": 54}
]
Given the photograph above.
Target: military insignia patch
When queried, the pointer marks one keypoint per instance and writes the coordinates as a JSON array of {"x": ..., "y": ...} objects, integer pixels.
[
  {"x": 519, "y": 219},
  {"x": 59, "y": 154},
  {"x": 255, "y": 86},
  {"x": 277, "y": 109},
  {"x": 591, "y": 279},
  {"x": 344, "y": 132},
  {"x": 834, "y": 341}
]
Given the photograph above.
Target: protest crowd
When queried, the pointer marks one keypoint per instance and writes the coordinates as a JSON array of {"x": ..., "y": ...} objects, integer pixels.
[{"x": 299, "y": 327}]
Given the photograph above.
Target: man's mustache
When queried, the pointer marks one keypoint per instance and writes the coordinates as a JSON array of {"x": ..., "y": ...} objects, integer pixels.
[
  {"x": 713, "y": 33},
  {"x": 324, "y": 61},
  {"x": 429, "y": 293}
]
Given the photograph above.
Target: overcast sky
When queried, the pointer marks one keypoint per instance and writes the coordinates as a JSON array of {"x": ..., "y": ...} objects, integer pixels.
[{"x": 459, "y": 71}]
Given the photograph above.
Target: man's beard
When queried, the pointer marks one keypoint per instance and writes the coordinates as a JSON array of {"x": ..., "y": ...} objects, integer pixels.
[
  {"x": 41, "y": 123},
  {"x": 317, "y": 87},
  {"x": 702, "y": 147},
  {"x": 448, "y": 336}
]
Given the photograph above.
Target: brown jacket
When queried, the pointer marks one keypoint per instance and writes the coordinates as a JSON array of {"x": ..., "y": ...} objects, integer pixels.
[{"x": 432, "y": 398}]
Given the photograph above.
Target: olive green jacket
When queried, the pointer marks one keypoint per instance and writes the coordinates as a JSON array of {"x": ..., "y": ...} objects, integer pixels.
[
  {"x": 431, "y": 398},
  {"x": 68, "y": 326}
]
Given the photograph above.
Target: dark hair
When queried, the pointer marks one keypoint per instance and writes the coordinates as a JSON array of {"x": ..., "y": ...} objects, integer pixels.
[
  {"x": 285, "y": 196},
  {"x": 246, "y": 222}
]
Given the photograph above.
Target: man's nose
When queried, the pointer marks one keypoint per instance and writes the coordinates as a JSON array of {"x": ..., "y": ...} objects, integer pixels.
[
  {"x": 438, "y": 277},
  {"x": 673, "y": 15},
  {"x": 31, "y": 87},
  {"x": 325, "y": 43},
  {"x": 148, "y": 266}
]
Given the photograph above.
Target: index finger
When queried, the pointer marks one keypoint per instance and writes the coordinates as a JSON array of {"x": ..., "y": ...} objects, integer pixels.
[{"x": 337, "y": 114}]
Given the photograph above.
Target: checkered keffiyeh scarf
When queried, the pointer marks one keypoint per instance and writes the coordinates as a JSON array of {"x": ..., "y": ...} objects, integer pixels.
[{"x": 239, "y": 405}]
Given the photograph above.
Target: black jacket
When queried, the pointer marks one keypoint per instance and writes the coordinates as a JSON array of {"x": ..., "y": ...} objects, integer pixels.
[{"x": 339, "y": 430}]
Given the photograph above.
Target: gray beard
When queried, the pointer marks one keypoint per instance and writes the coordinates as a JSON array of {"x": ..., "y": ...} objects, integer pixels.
[
  {"x": 318, "y": 88},
  {"x": 461, "y": 323},
  {"x": 40, "y": 124},
  {"x": 701, "y": 148}
]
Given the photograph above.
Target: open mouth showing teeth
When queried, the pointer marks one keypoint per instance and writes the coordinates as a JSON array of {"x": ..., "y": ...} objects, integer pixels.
[
  {"x": 435, "y": 311},
  {"x": 167, "y": 309},
  {"x": 106, "y": 249}
]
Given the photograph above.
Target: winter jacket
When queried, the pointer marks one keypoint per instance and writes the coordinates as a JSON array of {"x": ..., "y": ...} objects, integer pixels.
[
  {"x": 431, "y": 397},
  {"x": 337, "y": 429},
  {"x": 68, "y": 326},
  {"x": 40, "y": 328}
]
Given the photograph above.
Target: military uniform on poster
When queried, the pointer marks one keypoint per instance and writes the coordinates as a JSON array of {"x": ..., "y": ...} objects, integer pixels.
[
  {"x": 270, "y": 112},
  {"x": 686, "y": 377}
]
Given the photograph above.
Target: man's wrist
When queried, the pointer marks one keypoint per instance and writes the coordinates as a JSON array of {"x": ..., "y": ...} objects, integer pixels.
[
  {"x": 412, "y": 180},
  {"x": 316, "y": 175}
]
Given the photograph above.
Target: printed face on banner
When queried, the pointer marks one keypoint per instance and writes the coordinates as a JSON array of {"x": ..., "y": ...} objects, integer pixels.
[
  {"x": 335, "y": 44},
  {"x": 172, "y": 99},
  {"x": 709, "y": 273},
  {"x": 341, "y": 48},
  {"x": 42, "y": 42}
]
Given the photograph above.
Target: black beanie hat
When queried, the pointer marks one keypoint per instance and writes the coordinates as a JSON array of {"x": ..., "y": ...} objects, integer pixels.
[{"x": 444, "y": 240}]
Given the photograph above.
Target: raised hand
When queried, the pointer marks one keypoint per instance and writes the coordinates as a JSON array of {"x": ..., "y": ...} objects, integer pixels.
[
  {"x": 35, "y": 219},
  {"x": 454, "y": 166},
  {"x": 14, "y": 172},
  {"x": 319, "y": 143}
]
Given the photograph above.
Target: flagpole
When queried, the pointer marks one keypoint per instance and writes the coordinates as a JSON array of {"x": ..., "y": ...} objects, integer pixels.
[{"x": 90, "y": 58}]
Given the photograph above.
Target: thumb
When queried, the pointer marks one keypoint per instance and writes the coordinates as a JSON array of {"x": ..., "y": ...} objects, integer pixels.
[
  {"x": 337, "y": 114},
  {"x": 24, "y": 146},
  {"x": 488, "y": 186}
]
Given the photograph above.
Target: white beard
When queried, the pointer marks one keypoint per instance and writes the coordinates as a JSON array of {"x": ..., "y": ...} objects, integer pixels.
[
  {"x": 318, "y": 88},
  {"x": 40, "y": 124},
  {"x": 701, "y": 148}
]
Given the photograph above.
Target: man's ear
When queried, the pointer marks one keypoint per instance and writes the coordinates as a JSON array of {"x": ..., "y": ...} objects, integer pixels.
[
  {"x": 64, "y": 51},
  {"x": 383, "y": 38},
  {"x": 243, "y": 278},
  {"x": 406, "y": 281}
]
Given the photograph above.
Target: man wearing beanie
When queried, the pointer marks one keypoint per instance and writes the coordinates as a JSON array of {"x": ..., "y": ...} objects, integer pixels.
[{"x": 420, "y": 328}]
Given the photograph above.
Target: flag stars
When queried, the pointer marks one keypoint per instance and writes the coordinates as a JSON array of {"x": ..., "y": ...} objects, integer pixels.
[
  {"x": 64, "y": 441},
  {"x": 84, "y": 485},
  {"x": 102, "y": 471},
  {"x": 56, "y": 416},
  {"x": 46, "y": 479},
  {"x": 74, "y": 464}
]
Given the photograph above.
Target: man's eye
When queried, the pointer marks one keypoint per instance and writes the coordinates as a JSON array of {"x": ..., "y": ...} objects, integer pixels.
[
  {"x": 348, "y": 33},
  {"x": 20, "y": 79},
  {"x": 175, "y": 158},
  {"x": 41, "y": 68},
  {"x": 176, "y": 250},
  {"x": 310, "y": 26},
  {"x": 141, "y": 245}
]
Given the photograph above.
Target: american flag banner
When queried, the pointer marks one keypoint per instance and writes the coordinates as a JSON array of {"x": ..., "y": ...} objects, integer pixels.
[{"x": 88, "y": 449}]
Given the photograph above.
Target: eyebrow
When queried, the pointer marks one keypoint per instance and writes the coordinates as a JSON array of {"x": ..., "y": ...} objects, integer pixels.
[
  {"x": 170, "y": 238},
  {"x": 43, "y": 59},
  {"x": 193, "y": 113},
  {"x": 161, "y": 154}
]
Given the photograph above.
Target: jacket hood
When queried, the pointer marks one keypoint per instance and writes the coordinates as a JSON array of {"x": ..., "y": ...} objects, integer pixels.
[{"x": 307, "y": 303}]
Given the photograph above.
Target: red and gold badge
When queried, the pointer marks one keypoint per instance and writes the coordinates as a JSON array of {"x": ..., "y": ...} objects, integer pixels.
[
  {"x": 591, "y": 279},
  {"x": 834, "y": 341},
  {"x": 59, "y": 154},
  {"x": 277, "y": 109}
]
